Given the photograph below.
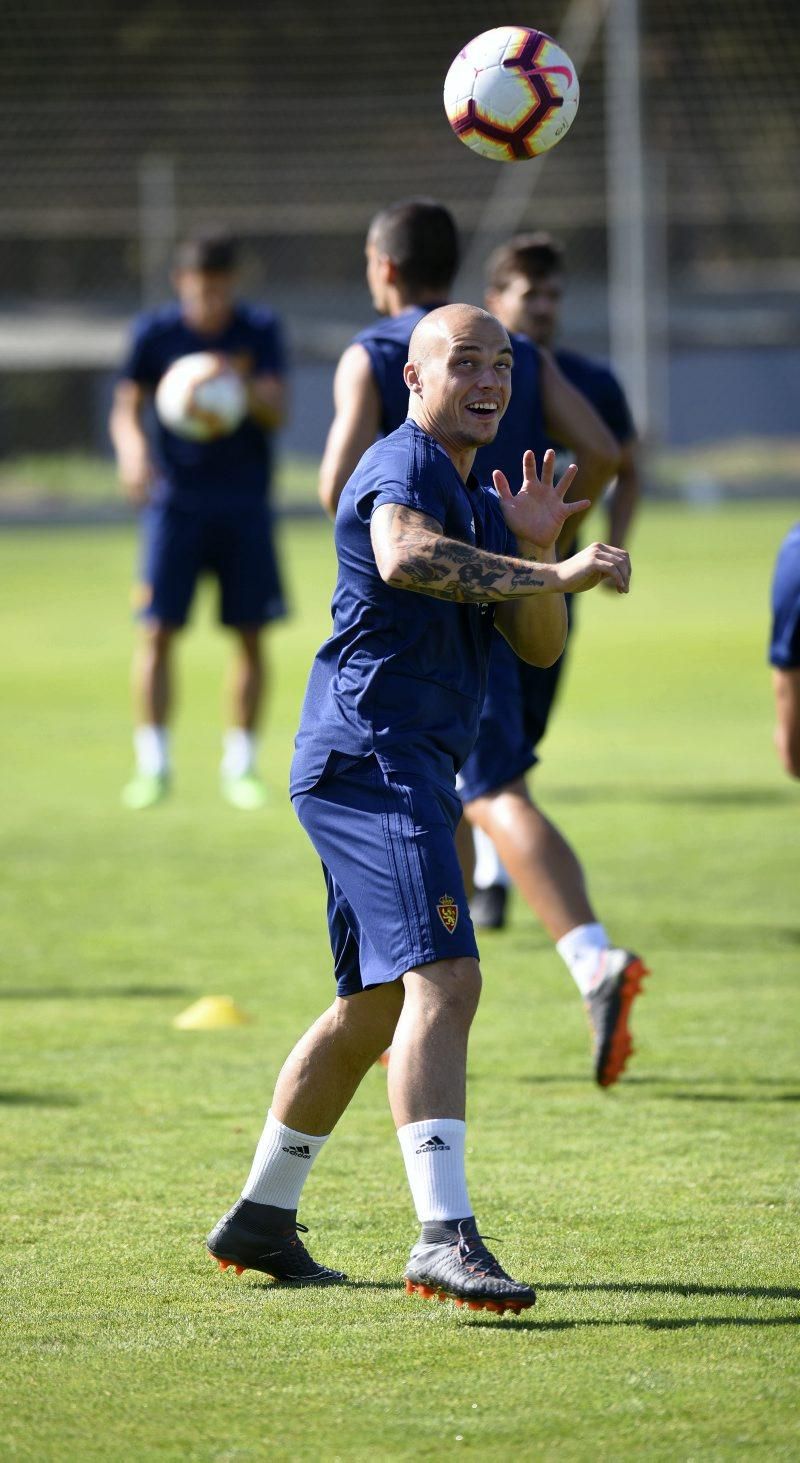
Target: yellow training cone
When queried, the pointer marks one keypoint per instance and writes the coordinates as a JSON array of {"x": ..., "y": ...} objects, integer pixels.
[{"x": 211, "y": 1013}]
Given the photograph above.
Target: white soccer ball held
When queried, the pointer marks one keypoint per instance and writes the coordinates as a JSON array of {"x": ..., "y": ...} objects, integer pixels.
[{"x": 201, "y": 398}]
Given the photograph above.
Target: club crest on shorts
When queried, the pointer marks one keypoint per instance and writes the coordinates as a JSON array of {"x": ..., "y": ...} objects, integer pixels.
[{"x": 447, "y": 910}]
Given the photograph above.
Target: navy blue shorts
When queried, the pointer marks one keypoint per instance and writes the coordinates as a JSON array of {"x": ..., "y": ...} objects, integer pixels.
[
  {"x": 396, "y": 897},
  {"x": 234, "y": 544},
  {"x": 519, "y": 699}
]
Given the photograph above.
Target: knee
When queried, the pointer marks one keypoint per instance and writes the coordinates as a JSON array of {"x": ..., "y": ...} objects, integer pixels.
[
  {"x": 447, "y": 991},
  {"x": 157, "y": 639},
  {"x": 250, "y": 645},
  {"x": 497, "y": 808}
]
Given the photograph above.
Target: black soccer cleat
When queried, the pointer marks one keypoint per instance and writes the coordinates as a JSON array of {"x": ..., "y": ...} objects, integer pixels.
[
  {"x": 487, "y": 907},
  {"x": 609, "y": 1007},
  {"x": 279, "y": 1253},
  {"x": 464, "y": 1270}
]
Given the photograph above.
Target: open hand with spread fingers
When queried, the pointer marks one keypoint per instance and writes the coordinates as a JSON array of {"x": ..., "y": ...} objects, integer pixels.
[
  {"x": 537, "y": 513},
  {"x": 596, "y": 563}
]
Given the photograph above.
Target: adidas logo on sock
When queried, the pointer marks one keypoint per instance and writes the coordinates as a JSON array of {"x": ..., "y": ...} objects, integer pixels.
[
  {"x": 434, "y": 1145},
  {"x": 302, "y": 1150}
]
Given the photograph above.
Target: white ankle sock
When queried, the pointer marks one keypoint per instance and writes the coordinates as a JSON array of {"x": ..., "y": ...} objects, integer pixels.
[
  {"x": 488, "y": 864},
  {"x": 151, "y": 744},
  {"x": 239, "y": 754},
  {"x": 580, "y": 949},
  {"x": 433, "y": 1152},
  {"x": 281, "y": 1165}
]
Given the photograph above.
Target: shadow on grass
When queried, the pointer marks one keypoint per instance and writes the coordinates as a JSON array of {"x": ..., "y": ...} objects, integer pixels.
[
  {"x": 688, "y": 1093},
  {"x": 91, "y": 993},
  {"x": 655, "y": 1323},
  {"x": 37, "y": 1099},
  {"x": 706, "y": 797},
  {"x": 666, "y": 1287}
]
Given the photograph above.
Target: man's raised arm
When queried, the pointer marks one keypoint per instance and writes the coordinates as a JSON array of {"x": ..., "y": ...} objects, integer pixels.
[{"x": 412, "y": 553}]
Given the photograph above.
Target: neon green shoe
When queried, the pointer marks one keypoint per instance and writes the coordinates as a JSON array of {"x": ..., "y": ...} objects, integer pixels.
[
  {"x": 144, "y": 790},
  {"x": 247, "y": 792}
]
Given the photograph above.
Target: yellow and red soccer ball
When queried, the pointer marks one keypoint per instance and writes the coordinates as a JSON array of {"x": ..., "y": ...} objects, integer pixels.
[{"x": 511, "y": 93}]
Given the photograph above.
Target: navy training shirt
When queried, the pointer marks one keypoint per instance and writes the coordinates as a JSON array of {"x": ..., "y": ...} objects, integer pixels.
[
  {"x": 402, "y": 672},
  {"x": 386, "y": 343},
  {"x": 230, "y": 469},
  {"x": 784, "y": 647},
  {"x": 602, "y": 390}
]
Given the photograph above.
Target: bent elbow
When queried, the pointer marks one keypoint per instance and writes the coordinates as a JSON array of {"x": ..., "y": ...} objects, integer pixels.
[
  {"x": 328, "y": 498},
  {"x": 390, "y": 567},
  {"x": 543, "y": 656}
]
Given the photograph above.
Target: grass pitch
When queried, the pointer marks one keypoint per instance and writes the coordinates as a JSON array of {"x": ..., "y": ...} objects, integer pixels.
[{"x": 658, "y": 1220}]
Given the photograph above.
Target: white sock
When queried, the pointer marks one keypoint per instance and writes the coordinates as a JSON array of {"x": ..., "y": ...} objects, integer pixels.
[
  {"x": 581, "y": 950},
  {"x": 489, "y": 869},
  {"x": 239, "y": 754},
  {"x": 433, "y": 1153},
  {"x": 281, "y": 1165},
  {"x": 151, "y": 744}
]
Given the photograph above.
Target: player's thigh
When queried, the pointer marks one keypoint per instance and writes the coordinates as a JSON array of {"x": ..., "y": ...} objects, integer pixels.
[
  {"x": 396, "y": 895},
  {"x": 171, "y": 560},
  {"x": 242, "y": 554}
]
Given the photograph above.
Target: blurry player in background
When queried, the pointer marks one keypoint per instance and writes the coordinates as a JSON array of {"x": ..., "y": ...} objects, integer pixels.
[
  {"x": 784, "y": 651},
  {"x": 525, "y": 287},
  {"x": 205, "y": 508},
  {"x": 411, "y": 259}
]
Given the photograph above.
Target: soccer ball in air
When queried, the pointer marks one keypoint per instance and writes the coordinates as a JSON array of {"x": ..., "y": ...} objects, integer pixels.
[
  {"x": 511, "y": 94},
  {"x": 220, "y": 391}
]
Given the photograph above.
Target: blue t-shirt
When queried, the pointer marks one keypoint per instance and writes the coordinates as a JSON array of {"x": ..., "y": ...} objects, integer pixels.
[
  {"x": 784, "y": 647},
  {"x": 602, "y": 390},
  {"x": 229, "y": 470},
  {"x": 402, "y": 673},
  {"x": 386, "y": 343}
]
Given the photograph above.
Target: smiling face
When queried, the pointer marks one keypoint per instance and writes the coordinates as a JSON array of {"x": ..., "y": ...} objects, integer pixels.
[
  {"x": 459, "y": 377},
  {"x": 529, "y": 305}
]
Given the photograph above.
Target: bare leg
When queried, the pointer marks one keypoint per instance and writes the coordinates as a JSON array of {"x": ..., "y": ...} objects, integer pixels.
[
  {"x": 428, "y": 1070},
  {"x": 152, "y": 674},
  {"x": 465, "y": 848},
  {"x": 540, "y": 861},
  {"x": 320, "y": 1076},
  {"x": 248, "y": 678}
]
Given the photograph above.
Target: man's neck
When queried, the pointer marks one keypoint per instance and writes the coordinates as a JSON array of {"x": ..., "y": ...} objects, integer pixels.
[
  {"x": 400, "y": 301},
  {"x": 462, "y": 458}
]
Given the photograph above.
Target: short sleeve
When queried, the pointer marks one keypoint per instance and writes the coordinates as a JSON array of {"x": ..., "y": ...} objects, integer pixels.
[
  {"x": 784, "y": 647},
  {"x": 140, "y": 363},
  {"x": 269, "y": 348},
  {"x": 423, "y": 487}
]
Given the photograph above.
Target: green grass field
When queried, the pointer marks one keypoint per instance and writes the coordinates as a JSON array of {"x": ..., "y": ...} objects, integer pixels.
[{"x": 659, "y": 1220}]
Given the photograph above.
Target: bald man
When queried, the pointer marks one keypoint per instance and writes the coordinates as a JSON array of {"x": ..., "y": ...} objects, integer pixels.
[{"x": 429, "y": 561}]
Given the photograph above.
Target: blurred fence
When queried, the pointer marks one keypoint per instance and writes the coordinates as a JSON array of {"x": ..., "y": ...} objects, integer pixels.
[{"x": 294, "y": 122}]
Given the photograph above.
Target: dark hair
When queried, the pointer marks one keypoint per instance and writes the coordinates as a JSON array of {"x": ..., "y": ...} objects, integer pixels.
[
  {"x": 211, "y": 251},
  {"x": 420, "y": 237},
  {"x": 535, "y": 255}
]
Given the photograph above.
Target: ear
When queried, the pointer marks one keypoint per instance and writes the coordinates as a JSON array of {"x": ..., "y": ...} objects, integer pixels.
[{"x": 411, "y": 377}]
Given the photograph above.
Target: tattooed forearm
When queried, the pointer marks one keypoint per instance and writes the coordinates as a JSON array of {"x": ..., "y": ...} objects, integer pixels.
[{"x": 412, "y": 553}]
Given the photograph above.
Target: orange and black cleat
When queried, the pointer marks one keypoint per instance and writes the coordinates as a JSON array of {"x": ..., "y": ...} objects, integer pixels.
[
  {"x": 279, "y": 1253},
  {"x": 464, "y": 1271},
  {"x": 609, "y": 1007}
]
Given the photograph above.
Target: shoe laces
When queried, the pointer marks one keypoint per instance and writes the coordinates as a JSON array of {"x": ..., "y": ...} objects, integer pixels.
[{"x": 472, "y": 1250}]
